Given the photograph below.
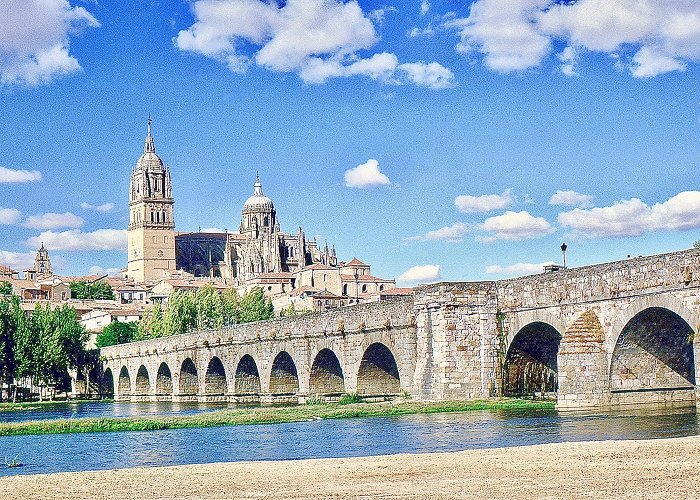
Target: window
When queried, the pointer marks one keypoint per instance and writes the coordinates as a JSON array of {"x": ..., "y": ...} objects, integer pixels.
[
  {"x": 266, "y": 221},
  {"x": 165, "y": 239},
  {"x": 364, "y": 288},
  {"x": 345, "y": 289},
  {"x": 153, "y": 216},
  {"x": 381, "y": 288}
]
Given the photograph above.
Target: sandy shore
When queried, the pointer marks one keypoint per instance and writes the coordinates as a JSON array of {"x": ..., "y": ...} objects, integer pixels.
[{"x": 607, "y": 469}]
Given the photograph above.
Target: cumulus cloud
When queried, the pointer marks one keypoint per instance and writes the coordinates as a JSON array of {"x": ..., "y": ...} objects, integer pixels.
[
  {"x": 100, "y": 271},
  {"x": 75, "y": 240},
  {"x": 420, "y": 274},
  {"x": 655, "y": 37},
  {"x": 9, "y": 216},
  {"x": 35, "y": 40},
  {"x": 317, "y": 39},
  {"x": 53, "y": 221},
  {"x": 484, "y": 203},
  {"x": 452, "y": 234},
  {"x": 366, "y": 175},
  {"x": 515, "y": 226},
  {"x": 519, "y": 269},
  {"x": 424, "y": 7},
  {"x": 17, "y": 261},
  {"x": 633, "y": 217},
  {"x": 8, "y": 175},
  {"x": 571, "y": 199},
  {"x": 105, "y": 207}
]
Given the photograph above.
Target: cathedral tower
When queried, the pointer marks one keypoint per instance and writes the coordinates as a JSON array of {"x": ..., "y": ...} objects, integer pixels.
[{"x": 151, "y": 232}]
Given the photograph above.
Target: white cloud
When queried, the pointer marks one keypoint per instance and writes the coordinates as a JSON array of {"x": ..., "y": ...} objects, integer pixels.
[
  {"x": 35, "y": 39},
  {"x": 416, "y": 32},
  {"x": 420, "y": 274},
  {"x": 100, "y": 271},
  {"x": 519, "y": 269},
  {"x": 53, "y": 221},
  {"x": 9, "y": 216},
  {"x": 634, "y": 217},
  {"x": 17, "y": 261},
  {"x": 484, "y": 203},
  {"x": 515, "y": 226},
  {"x": 452, "y": 234},
  {"x": 516, "y": 35},
  {"x": 105, "y": 207},
  {"x": 75, "y": 239},
  {"x": 366, "y": 175},
  {"x": 424, "y": 7},
  {"x": 317, "y": 39},
  {"x": 211, "y": 230},
  {"x": 571, "y": 199},
  {"x": 8, "y": 175}
]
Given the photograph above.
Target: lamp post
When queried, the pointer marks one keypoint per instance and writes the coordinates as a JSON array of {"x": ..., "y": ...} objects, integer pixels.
[
  {"x": 563, "y": 252},
  {"x": 357, "y": 286}
]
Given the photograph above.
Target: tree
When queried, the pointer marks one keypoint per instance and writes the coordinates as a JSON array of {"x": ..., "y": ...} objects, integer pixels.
[
  {"x": 117, "y": 333},
  {"x": 254, "y": 307},
  {"x": 209, "y": 308},
  {"x": 180, "y": 314},
  {"x": 91, "y": 290},
  {"x": 5, "y": 288},
  {"x": 152, "y": 324},
  {"x": 231, "y": 305},
  {"x": 696, "y": 244},
  {"x": 7, "y": 339}
]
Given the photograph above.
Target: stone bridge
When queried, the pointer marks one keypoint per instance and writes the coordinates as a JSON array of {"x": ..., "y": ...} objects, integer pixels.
[{"x": 599, "y": 336}]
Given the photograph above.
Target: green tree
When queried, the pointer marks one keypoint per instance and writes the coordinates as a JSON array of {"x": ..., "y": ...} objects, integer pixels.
[
  {"x": 5, "y": 288},
  {"x": 254, "y": 307},
  {"x": 180, "y": 314},
  {"x": 210, "y": 313},
  {"x": 696, "y": 244},
  {"x": 7, "y": 343},
  {"x": 231, "y": 305},
  {"x": 117, "y": 333},
  {"x": 152, "y": 324},
  {"x": 91, "y": 290}
]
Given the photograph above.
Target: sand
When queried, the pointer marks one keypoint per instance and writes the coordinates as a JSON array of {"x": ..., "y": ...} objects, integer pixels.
[{"x": 667, "y": 468}]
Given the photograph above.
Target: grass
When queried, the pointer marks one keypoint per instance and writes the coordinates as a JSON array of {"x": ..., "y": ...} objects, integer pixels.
[
  {"x": 36, "y": 405},
  {"x": 263, "y": 415}
]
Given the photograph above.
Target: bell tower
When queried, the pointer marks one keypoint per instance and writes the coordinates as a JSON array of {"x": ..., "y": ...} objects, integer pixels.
[{"x": 151, "y": 231}]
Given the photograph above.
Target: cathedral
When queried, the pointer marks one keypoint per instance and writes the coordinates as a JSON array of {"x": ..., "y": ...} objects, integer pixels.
[{"x": 258, "y": 254}]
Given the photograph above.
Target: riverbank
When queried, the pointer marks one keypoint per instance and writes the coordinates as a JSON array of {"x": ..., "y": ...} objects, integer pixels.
[
  {"x": 34, "y": 405},
  {"x": 605, "y": 469},
  {"x": 262, "y": 415}
]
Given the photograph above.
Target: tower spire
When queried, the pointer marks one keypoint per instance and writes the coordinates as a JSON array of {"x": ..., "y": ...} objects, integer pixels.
[
  {"x": 150, "y": 146},
  {"x": 258, "y": 184}
]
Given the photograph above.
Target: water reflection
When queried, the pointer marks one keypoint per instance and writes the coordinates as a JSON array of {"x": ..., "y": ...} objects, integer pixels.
[{"x": 337, "y": 438}]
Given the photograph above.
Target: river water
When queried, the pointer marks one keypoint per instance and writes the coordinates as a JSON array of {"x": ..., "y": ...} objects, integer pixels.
[{"x": 318, "y": 439}]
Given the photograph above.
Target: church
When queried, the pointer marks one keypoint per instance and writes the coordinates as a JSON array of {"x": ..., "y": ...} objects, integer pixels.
[{"x": 258, "y": 254}]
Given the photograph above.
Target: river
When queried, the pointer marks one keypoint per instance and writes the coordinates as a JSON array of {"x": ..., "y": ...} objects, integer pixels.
[{"x": 318, "y": 439}]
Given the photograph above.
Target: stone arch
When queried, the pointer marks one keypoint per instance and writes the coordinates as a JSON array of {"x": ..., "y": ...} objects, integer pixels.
[
  {"x": 188, "y": 384},
  {"x": 143, "y": 383},
  {"x": 124, "y": 382},
  {"x": 215, "y": 378},
  {"x": 653, "y": 352},
  {"x": 247, "y": 378},
  {"x": 284, "y": 378},
  {"x": 164, "y": 381},
  {"x": 326, "y": 378},
  {"x": 530, "y": 365},
  {"x": 107, "y": 384},
  {"x": 378, "y": 374}
]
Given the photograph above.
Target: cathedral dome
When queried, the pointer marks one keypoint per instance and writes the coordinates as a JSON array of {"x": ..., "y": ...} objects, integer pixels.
[
  {"x": 149, "y": 160},
  {"x": 258, "y": 202}
]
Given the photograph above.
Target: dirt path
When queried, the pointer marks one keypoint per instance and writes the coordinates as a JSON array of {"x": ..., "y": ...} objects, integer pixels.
[{"x": 608, "y": 469}]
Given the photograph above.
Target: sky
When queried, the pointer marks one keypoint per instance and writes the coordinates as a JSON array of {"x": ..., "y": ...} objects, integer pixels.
[{"x": 434, "y": 140}]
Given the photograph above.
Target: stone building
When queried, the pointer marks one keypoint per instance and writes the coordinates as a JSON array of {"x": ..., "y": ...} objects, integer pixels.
[
  {"x": 259, "y": 254},
  {"x": 42, "y": 265}
]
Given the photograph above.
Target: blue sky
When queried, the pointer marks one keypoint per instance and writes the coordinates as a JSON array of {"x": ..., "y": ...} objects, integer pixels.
[{"x": 426, "y": 138}]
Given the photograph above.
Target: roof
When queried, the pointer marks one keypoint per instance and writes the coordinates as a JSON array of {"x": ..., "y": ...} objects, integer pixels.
[
  {"x": 355, "y": 263},
  {"x": 318, "y": 267},
  {"x": 397, "y": 291},
  {"x": 303, "y": 289},
  {"x": 258, "y": 201},
  {"x": 364, "y": 278},
  {"x": 325, "y": 294}
]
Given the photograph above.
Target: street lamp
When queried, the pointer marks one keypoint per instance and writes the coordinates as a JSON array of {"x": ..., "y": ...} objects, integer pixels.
[
  {"x": 357, "y": 287},
  {"x": 563, "y": 251}
]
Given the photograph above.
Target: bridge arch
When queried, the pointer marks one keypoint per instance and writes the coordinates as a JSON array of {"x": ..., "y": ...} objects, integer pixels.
[
  {"x": 284, "y": 378},
  {"x": 530, "y": 364},
  {"x": 247, "y": 377},
  {"x": 143, "y": 383},
  {"x": 215, "y": 383},
  {"x": 188, "y": 382},
  {"x": 378, "y": 373},
  {"x": 326, "y": 376},
  {"x": 164, "y": 380},
  {"x": 107, "y": 384},
  {"x": 124, "y": 382},
  {"x": 654, "y": 352}
]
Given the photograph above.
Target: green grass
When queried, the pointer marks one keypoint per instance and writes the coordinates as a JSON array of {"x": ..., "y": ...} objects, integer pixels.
[
  {"x": 36, "y": 405},
  {"x": 263, "y": 415}
]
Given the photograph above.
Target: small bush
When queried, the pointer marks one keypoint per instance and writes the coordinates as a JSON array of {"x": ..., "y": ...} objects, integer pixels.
[
  {"x": 350, "y": 398},
  {"x": 314, "y": 401}
]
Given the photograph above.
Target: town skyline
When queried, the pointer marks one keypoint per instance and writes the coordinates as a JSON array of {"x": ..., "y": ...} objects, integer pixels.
[{"x": 410, "y": 140}]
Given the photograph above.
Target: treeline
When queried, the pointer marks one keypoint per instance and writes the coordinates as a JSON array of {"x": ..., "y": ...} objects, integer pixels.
[
  {"x": 87, "y": 290},
  {"x": 185, "y": 311},
  {"x": 38, "y": 349}
]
